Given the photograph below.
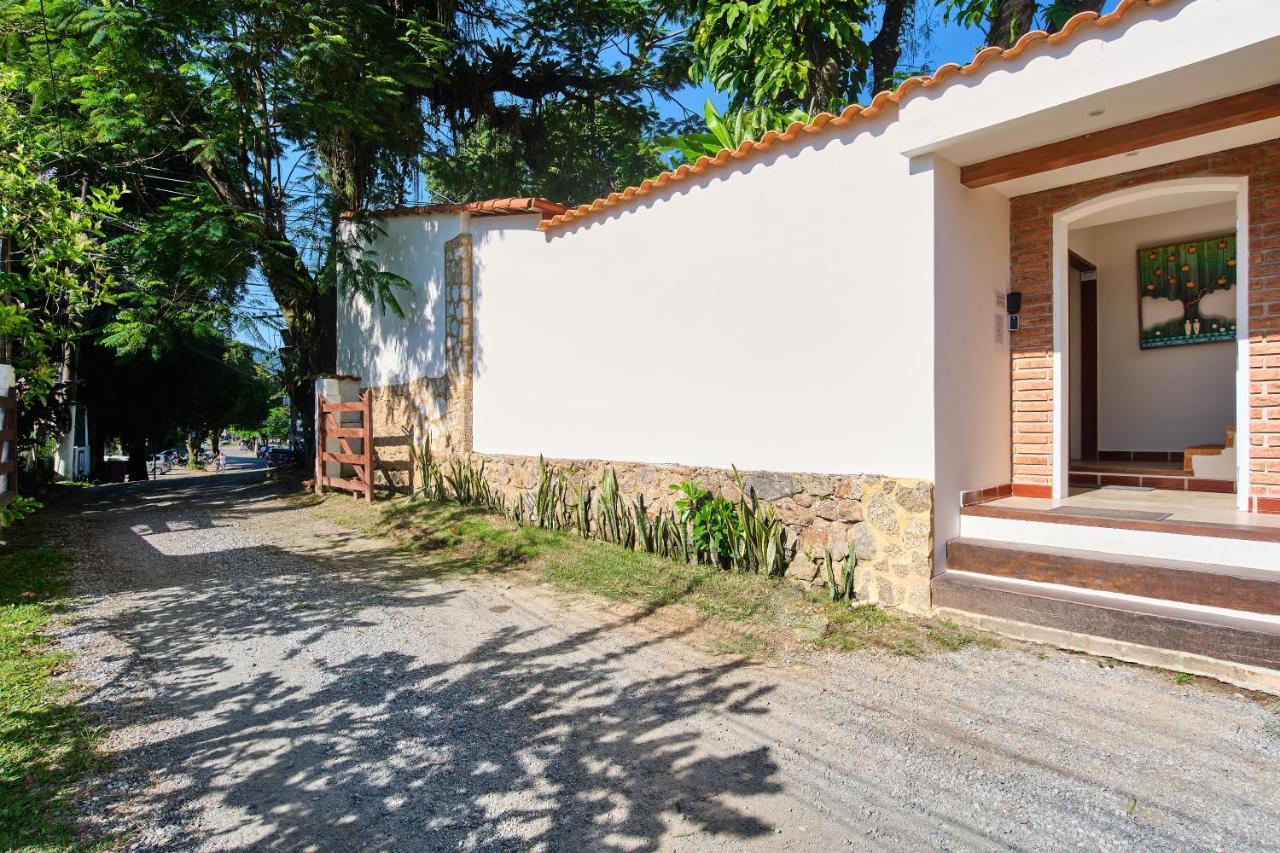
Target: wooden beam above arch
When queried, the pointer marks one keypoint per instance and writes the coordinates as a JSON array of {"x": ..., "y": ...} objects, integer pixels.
[{"x": 1181, "y": 124}]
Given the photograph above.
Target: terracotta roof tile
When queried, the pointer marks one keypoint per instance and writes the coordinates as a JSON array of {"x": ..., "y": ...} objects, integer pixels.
[
  {"x": 486, "y": 207},
  {"x": 1083, "y": 21}
]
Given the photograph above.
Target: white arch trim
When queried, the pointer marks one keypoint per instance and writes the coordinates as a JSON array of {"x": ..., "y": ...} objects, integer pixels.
[{"x": 1062, "y": 221}]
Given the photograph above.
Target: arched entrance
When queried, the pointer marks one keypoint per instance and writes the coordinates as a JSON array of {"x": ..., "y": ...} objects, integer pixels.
[{"x": 1208, "y": 199}]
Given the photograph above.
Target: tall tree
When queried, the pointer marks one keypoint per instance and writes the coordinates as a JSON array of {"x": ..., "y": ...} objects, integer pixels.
[
  {"x": 53, "y": 251},
  {"x": 897, "y": 19},
  {"x": 1006, "y": 21},
  {"x": 287, "y": 115},
  {"x": 783, "y": 54}
]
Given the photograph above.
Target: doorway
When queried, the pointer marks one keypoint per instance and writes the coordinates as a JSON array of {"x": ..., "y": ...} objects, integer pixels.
[{"x": 1138, "y": 412}]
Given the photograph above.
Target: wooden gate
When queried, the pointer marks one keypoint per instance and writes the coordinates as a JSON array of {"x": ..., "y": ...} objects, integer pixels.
[{"x": 328, "y": 425}]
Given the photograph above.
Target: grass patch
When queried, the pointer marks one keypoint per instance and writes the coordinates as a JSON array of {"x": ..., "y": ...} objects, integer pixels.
[
  {"x": 452, "y": 540},
  {"x": 46, "y": 742}
]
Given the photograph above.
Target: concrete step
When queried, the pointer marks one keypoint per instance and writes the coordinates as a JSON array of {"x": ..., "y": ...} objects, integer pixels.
[
  {"x": 1210, "y": 634},
  {"x": 1231, "y": 587},
  {"x": 1255, "y": 545}
]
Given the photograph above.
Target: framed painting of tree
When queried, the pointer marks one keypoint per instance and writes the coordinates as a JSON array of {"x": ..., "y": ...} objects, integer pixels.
[{"x": 1186, "y": 292}]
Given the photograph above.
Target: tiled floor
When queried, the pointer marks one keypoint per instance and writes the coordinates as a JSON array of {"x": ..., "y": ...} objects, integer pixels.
[{"x": 1202, "y": 507}]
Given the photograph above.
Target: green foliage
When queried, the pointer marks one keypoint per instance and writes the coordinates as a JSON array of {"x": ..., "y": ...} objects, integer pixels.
[
  {"x": 550, "y": 498},
  {"x": 468, "y": 486},
  {"x": 762, "y": 538},
  {"x": 422, "y": 461},
  {"x": 713, "y": 522},
  {"x": 807, "y": 54},
  {"x": 17, "y": 509},
  {"x": 614, "y": 522},
  {"x": 46, "y": 743},
  {"x": 728, "y": 131},
  {"x": 56, "y": 248},
  {"x": 276, "y": 424},
  {"x": 571, "y": 153},
  {"x": 1005, "y": 21},
  {"x": 839, "y": 588}
]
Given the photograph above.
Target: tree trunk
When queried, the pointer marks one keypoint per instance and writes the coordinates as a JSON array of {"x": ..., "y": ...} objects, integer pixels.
[
  {"x": 1009, "y": 20},
  {"x": 138, "y": 468},
  {"x": 193, "y": 451},
  {"x": 1070, "y": 8},
  {"x": 214, "y": 437},
  {"x": 886, "y": 47}
]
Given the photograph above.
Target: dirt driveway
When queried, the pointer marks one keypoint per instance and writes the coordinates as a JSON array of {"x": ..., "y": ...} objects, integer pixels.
[{"x": 271, "y": 681}]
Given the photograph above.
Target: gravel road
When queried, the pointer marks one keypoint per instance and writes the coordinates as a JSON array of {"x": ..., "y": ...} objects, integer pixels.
[{"x": 272, "y": 681}]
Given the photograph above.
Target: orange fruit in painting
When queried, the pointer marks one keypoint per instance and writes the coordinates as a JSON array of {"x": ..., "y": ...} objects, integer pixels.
[
  {"x": 1160, "y": 271},
  {"x": 1231, "y": 263},
  {"x": 1186, "y": 268},
  {"x": 1191, "y": 250},
  {"x": 1151, "y": 257},
  {"x": 1173, "y": 281},
  {"x": 1222, "y": 245},
  {"x": 1222, "y": 281},
  {"x": 1191, "y": 285},
  {"x": 1151, "y": 287}
]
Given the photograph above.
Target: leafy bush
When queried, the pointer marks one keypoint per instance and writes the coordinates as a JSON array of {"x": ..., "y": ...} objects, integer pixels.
[
  {"x": 713, "y": 522},
  {"x": 17, "y": 509}
]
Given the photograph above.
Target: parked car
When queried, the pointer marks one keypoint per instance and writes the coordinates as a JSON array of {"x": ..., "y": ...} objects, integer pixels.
[
  {"x": 175, "y": 456},
  {"x": 280, "y": 456},
  {"x": 161, "y": 464}
]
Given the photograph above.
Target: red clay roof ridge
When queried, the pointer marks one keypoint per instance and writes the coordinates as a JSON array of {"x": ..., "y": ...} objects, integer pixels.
[{"x": 879, "y": 103}]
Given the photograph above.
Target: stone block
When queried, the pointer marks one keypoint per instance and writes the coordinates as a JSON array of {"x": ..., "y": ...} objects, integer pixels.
[{"x": 771, "y": 487}]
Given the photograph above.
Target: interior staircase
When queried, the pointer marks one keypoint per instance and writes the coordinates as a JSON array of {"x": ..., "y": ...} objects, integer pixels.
[{"x": 1212, "y": 461}]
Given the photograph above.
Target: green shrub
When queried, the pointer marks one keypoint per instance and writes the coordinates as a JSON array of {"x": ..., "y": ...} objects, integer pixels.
[{"x": 713, "y": 523}]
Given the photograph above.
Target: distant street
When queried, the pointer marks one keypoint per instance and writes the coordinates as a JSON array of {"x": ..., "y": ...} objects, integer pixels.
[{"x": 237, "y": 461}]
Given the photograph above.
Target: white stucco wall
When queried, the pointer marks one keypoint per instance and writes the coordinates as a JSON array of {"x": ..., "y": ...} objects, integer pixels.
[
  {"x": 1210, "y": 47},
  {"x": 378, "y": 346},
  {"x": 971, "y": 358},
  {"x": 1159, "y": 399},
  {"x": 778, "y": 316}
]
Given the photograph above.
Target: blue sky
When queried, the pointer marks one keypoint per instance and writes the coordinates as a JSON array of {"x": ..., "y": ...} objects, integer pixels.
[{"x": 942, "y": 44}]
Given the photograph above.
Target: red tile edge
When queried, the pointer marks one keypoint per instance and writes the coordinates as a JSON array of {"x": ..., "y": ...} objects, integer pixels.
[
  {"x": 1032, "y": 490},
  {"x": 973, "y": 497},
  {"x": 1222, "y": 486},
  {"x": 1267, "y": 505}
]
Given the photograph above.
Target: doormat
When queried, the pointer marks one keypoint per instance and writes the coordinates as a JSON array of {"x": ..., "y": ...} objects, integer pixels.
[{"x": 1096, "y": 512}]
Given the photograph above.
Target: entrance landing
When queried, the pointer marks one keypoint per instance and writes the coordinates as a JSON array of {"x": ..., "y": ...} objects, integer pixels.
[{"x": 1187, "y": 512}]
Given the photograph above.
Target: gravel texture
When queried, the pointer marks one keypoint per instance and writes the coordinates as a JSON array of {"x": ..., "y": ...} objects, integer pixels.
[{"x": 271, "y": 681}]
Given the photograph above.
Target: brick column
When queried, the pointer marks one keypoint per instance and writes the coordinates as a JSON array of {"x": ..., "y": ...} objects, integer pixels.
[{"x": 1031, "y": 347}]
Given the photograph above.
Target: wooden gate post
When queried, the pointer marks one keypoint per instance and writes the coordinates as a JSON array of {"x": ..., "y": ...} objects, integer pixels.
[
  {"x": 367, "y": 417},
  {"x": 320, "y": 440},
  {"x": 331, "y": 424}
]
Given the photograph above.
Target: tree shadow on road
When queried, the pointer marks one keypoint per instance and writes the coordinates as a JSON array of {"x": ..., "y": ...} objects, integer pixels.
[{"x": 505, "y": 736}]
